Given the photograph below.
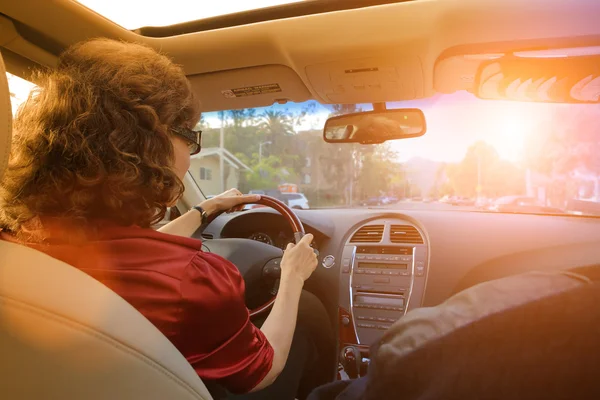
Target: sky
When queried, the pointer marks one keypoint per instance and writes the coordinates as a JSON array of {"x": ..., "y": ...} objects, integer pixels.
[{"x": 133, "y": 14}]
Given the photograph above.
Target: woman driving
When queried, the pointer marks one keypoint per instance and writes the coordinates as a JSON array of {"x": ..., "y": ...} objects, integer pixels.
[{"x": 99, "y": 154}]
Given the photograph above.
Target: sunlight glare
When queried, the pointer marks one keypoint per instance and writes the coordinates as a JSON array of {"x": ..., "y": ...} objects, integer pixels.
[
  {"x": 135, "y": 14},
  {"x": 509, "y": 137}
]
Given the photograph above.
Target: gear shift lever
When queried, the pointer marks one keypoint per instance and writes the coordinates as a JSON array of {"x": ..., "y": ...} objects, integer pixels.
[{"x": 350, "y": 359}]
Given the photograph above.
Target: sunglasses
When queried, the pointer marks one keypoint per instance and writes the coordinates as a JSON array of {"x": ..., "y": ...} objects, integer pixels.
[{"x": 193, "y": 138}]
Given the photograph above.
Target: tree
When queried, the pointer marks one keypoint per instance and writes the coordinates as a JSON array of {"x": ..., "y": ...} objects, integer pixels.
[
  {"x": 380, "y": 173},
  {"x": 201, "y": 125},
  {"x": 568, "y": 140},
  {"x": 267, "y": 174},
  {"x": 237, "y": 117},
  {"x": 276, "y": 123},
  {"x": 278, "y": 128},
  {"x": 481, "y": 172}
]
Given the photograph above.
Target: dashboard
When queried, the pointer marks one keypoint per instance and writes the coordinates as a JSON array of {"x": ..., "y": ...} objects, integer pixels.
[{"x": 388, "y": 262}]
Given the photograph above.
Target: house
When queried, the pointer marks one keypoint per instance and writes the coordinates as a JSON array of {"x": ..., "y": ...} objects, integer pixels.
[{"x": 205, "y": 169}]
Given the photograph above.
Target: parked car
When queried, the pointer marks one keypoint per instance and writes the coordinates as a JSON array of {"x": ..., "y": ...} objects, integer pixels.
[
  {"x": 296, "y": 200},
  {"x": 272, "y": 193},
  {"x": 522, "y": 204},
  {"x": 371, "y": 201},
  {"x": 461, "y": 201},
  {"x": 484, "y": 202},
  {"x": 583, "y": 207}
]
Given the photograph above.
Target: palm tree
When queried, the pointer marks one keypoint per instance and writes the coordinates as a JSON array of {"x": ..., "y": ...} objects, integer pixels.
[{"x": 276, "y": 123}]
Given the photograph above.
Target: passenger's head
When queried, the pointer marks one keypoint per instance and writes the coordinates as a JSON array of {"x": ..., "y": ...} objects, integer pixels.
[{"x": 96, "y": 139}]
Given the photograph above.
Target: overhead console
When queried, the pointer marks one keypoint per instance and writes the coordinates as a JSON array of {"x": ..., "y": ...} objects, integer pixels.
[
  {"x": 367, "y": 80},
  {"x": 383, "y": 274}
]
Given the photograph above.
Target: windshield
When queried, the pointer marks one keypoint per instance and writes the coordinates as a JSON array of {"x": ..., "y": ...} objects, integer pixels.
[{"x": 476, "y": 154}]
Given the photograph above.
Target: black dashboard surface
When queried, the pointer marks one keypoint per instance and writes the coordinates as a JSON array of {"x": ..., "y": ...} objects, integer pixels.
[{"x": 465, "y": 247}]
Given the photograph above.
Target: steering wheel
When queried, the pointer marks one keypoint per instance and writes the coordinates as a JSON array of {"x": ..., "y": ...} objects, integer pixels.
[{"x": 257, "y": 262}]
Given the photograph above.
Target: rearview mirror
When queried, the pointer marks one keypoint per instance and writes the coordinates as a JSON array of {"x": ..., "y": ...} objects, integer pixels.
[{"x": 375, "y": 126}]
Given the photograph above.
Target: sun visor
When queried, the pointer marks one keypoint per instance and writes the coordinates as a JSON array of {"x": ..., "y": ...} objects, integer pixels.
[
  {"x": 248, "y": 87},
  {"x": 367, "y": 80}
]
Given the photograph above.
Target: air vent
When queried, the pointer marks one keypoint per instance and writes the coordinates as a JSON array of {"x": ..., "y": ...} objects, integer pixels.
[
  {"x": 405, "y": 234},
  {"x": 207, "y": 236},
  {"x": 368, "y": 234}
]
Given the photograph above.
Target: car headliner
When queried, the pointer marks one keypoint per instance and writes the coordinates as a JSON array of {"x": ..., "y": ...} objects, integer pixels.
[{"x": 300, "y": 53}]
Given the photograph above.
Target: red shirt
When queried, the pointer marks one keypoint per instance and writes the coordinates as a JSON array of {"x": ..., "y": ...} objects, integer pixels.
[{"x": 195, "y": 299}]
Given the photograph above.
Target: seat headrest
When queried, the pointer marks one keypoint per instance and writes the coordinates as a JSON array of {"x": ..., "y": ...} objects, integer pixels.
[{"x": 5, "y": 119}]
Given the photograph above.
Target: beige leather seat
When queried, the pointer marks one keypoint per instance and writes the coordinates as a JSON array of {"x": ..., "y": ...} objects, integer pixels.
[{"x": 64, "y": 335}]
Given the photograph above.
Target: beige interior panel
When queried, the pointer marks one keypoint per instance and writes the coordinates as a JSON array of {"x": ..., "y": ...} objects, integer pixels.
[
  {"x": 248, "y": 87},
  {"x": 456, "y": 73},
  {"x": 11, "y": 40},
  {"x": 421, "y": 29},
  {"x": 367, "y": 80}
]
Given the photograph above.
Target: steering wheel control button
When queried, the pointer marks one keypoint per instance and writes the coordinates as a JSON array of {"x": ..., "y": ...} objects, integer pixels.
[
  {"x": 272, "y": 269},
  {"x": 328, "y": 261}
]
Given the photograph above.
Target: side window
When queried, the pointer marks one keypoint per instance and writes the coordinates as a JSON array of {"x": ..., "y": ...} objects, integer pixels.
[
  {"x": 19, "y": 90},
  {"x": 208, "y": 174}
]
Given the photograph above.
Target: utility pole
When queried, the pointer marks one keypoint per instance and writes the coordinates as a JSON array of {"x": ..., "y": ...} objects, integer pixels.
[
  {"x": 260, "y": 150},
  {"x": 478, "y": 178},
  {"x": 351, "y": 188},
  {"x": 222, "y": 153}
]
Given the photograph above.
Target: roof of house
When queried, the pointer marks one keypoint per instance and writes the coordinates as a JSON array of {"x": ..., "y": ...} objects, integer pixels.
[{"x": 227, "y": 156}]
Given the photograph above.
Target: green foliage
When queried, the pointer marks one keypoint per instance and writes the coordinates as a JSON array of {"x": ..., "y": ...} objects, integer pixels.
[
  {"x": 481, "y": 172},
  {"x": 566, "y": 140},
  {"x": 379, "y": 173},
  {"x": 336, "y": 172},
  {"x": 267, "y": 174}
]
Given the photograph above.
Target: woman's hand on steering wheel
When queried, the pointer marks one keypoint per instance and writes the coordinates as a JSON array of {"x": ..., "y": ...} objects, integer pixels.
[
  {"x": 299, "y": 260},
  {"x": 230, "y": 201}
]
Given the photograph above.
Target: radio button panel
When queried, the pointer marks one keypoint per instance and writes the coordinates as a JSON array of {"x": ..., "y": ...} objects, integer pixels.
[{"x": 383, "y": 280}]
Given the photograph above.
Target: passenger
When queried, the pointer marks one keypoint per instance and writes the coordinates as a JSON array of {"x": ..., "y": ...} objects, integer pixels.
[{"x": 530, "y": 336}]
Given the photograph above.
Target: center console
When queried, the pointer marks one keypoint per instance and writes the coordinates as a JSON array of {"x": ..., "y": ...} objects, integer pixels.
[{"x": 384, "y": 268}]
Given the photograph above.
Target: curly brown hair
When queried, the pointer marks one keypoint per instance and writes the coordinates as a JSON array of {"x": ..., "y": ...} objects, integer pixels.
[{"x": 92, "y": 142}]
